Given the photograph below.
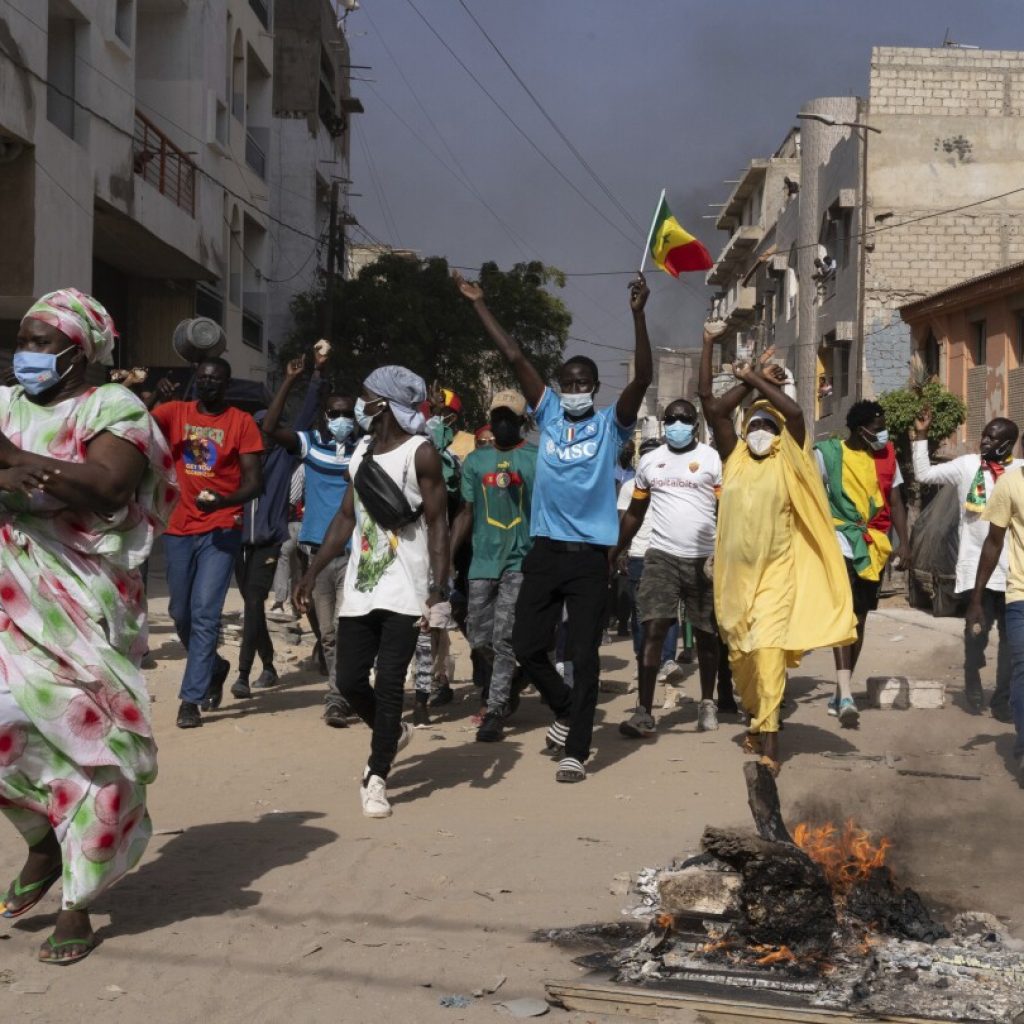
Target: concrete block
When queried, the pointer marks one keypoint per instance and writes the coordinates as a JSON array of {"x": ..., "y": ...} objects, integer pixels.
[
  {"x": 697, "y": 890},
  {"x": 899, "y": 692}
]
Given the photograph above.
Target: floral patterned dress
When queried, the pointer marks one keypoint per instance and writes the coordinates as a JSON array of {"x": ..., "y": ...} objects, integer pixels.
[{"x": 76, "y": 747}]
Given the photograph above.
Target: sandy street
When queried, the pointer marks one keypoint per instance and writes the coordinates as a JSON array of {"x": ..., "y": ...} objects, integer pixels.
[{"x": 266, "y": 896}]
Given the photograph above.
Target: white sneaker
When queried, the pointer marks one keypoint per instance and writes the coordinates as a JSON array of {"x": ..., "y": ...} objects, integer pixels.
[
  {"x": 707, "y": 716},
  {"x": 374, "y": 794},
  {"x": 670, "y": 672}
]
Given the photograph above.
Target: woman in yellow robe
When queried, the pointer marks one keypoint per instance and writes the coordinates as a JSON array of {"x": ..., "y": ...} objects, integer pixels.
[{"x": 780, "y": 581}]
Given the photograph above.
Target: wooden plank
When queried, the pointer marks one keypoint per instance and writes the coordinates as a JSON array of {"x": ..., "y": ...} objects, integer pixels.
[{"x": 652, "y": 1004}]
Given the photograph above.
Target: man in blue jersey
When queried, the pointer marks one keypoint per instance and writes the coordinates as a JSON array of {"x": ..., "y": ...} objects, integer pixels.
[
  {"x": 325, "y": 453},
  {"x": 574, "y": 522}
]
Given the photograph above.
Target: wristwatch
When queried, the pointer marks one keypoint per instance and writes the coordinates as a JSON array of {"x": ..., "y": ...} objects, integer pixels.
[{"x": 442, "y": 590}]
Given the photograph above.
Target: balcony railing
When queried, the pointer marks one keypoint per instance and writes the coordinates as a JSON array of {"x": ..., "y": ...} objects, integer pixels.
[
  {"x": 255, "y": 157},
  {"x": 261, "y": 8},
  {"x": 166, "y": 167}
]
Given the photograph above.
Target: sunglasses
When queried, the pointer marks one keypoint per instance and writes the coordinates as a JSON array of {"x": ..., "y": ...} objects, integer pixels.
[{"x": 680, "y": 418}]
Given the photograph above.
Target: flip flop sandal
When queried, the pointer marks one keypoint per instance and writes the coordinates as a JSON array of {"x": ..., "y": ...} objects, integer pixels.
[
  {"x": 570, "y": 770},
  {"x": 37, "y": 889},
  {"x": 88, "y": 945},
  {"x": 751, "y": 744}
]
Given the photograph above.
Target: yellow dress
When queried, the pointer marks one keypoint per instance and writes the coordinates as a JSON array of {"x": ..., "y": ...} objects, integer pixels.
[{"x": 781, "y": 586}]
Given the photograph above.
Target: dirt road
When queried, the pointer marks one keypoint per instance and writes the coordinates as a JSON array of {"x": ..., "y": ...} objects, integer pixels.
[{"x": 268, "y": 897}]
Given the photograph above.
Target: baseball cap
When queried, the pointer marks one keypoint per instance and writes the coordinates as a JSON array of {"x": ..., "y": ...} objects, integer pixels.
[{"x": 508, "y": 399}]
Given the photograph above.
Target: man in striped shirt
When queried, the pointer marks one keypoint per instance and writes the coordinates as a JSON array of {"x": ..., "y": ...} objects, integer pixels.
[{"x": 325, "y": 453}]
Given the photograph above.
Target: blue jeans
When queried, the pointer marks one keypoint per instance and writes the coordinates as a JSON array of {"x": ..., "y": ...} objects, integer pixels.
[
  {"x": 1015, "y": 638},
  {"x": 668, "y": 649},
  {"x": 199, "y": 571}
]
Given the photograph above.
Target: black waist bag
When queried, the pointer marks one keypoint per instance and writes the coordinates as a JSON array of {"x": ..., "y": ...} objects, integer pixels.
[{"x": 382, "y": 498}]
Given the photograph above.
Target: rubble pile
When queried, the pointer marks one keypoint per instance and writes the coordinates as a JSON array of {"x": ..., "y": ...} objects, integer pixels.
[{"x": 728, "y": 921}]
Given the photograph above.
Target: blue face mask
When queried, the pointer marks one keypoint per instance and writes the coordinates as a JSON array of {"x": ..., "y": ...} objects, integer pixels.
[
  {"x": 877, "y": 441},
  {"x": 340, "y": 427},
  {"x": 37, "y": 371},
  {"x": 577, "y": 404},
  {"x": 679, "y": 435},
  {"x": 363, "y": 418}
]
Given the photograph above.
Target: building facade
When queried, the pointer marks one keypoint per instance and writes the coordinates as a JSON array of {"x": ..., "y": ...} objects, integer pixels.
[
  {"x": 971, "y": 337},
  {"x": 136, "y": 163},
  {"x": 867, "y": 221}
]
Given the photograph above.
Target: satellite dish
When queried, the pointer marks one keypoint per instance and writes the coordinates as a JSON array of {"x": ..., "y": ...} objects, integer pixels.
[{"x": 198, "y": 339}]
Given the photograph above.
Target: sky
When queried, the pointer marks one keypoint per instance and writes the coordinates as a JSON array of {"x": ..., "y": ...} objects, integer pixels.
[{"x": 652, "y": 94}]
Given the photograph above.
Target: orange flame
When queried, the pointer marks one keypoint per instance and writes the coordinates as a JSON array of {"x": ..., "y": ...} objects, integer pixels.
[
  {"x": 846, "y": 857},
  {"x": 665, "y": 921},
  {"x": 774, "y": 955}
]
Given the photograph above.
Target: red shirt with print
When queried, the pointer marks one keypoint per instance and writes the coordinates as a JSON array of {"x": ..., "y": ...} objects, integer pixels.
[{"x": 206, "y": 452}]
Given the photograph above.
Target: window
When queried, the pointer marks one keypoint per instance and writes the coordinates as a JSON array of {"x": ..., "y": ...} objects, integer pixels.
[
  {"x": 60, "y": 74},
  {"x": 980, "y": 329},
  {"x": 845, "y": 232},
  {"x": 825, "y": 392},
  {"x": 209, "y": 304},
  {"x": 123, "y": 21},
  {"x": 1018, "y": 346}
]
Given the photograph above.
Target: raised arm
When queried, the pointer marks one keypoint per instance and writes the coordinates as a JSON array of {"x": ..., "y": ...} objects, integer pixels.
[
  {"x": 718, "y": 410},
  {"x": 925, "y": 471},
  {"x": 791, "y": 412},
  {"x": 164, "y": 391},
  {"x": 632, "y": 396},
  {"x": 529, "y": 379},
  {"x": 287, "y": 439}
]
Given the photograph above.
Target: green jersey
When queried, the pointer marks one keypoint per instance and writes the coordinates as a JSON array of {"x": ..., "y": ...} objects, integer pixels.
[{"x": 500, "y": 486}]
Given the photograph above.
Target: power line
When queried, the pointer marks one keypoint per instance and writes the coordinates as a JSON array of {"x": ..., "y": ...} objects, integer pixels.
[
  {"x": 385, "y": 207},
  {"x": 550, "y": 120},
  {"x": 533, "y": 145}
]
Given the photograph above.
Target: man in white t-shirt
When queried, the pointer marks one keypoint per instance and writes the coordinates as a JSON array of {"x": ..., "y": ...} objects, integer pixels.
[
  {"x": 396, "y": 581},
  {"x": 974, "y": 477},
  {"x": 677, "y": 486}
]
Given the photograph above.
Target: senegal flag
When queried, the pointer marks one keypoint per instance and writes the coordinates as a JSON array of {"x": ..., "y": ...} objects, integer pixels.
[{"x": 673, "y": 248}]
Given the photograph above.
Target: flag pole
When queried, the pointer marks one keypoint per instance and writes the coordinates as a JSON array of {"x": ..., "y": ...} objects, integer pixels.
[{"x": 650, "y": 234}]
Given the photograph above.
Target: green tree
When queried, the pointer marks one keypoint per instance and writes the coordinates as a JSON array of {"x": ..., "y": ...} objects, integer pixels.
[
  {"x": 408, "y": 311},
  {"x": 903, "y": 404}
]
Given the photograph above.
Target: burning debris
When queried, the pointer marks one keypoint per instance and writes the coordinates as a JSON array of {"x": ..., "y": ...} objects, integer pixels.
[{"x": 816, "y": 921}]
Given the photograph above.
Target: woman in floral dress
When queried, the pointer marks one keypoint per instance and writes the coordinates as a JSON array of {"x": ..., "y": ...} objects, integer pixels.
[{"x": 86, "y": 484}]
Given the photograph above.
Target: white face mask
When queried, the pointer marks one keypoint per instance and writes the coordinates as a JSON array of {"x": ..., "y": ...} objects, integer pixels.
[
  {"x": 340, "y": 427},
  {"x": 577, "y": 404},
  {"x": 365, "y": 421},
  {"x": 761, "y": 442}
]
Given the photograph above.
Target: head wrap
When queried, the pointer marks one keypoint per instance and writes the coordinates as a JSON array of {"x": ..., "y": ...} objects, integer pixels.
[
  {"x": 762, "y": 410},
  {"x": 81, "y": 319},
  {"x": 404, "y": 391}
]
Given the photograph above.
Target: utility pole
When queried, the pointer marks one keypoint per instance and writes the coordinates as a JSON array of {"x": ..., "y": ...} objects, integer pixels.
[{"x": 327, "y": 325}]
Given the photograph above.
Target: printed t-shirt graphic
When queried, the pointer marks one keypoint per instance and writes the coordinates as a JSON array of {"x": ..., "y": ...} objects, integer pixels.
[
  {"x": 500, "y": 486},
  {"x": 206, "y": 451}
]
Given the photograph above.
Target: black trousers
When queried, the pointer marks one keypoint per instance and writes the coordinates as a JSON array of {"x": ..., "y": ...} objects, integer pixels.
[
  {"x": 255, "y": 565},
  {"x": 554, "y": 574},
  {"x": 389, "y": 639}
]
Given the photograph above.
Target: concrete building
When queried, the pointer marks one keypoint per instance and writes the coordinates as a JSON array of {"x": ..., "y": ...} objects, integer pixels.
[
  {"x": 971, "y": 337},
  {"x": 308, "y": 161},
  {"x": 136, "y": 162},
  {"x": 864, "y": 225}
]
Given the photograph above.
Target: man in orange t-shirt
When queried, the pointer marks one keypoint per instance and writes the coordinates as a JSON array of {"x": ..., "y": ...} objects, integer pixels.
[{"x": 216, "y": 450}]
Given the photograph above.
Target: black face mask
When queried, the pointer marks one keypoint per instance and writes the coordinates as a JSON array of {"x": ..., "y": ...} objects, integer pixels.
[
  {"x": 507, "y": 433},
  {"x": 210, "y": 390}
]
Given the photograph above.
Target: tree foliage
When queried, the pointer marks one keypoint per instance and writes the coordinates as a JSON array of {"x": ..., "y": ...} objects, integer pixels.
[
  {"x": 903, "y": 404},
  {"x": 407, "y": 311}
]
